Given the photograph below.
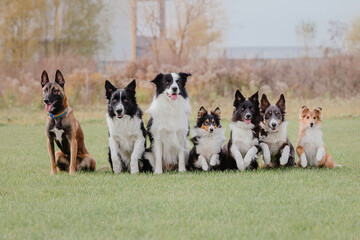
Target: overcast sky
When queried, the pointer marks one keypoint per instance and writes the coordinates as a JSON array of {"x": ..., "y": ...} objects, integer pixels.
[{"x": 273, "y": 22}]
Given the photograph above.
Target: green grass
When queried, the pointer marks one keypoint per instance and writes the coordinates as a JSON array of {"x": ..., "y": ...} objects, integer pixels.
[{"x": 296, "y": 203}]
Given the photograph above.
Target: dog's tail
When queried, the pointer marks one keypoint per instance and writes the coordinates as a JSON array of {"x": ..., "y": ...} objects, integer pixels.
[{"x": 102, "y": 169}]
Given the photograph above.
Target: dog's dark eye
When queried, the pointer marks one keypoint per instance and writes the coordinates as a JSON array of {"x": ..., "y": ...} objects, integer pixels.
[
  {"x": 242, "y": 109},
  {"x": 314, "y": 117},
  {"x": 167, "y": 81},
  {"x": 114, "y": 100},
  {"x": 45, "y": 90},
  {"x": 308, "y": 117},
  {"x": 125, "y": 100},
  {"x": 56, "y": 91},
  {"x": 205, "y": 123}
]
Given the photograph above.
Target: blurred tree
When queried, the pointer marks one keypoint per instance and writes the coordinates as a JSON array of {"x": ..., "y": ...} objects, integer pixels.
[
  {"x": 35, "y": 28},
  {"x": 353, "y": 36},
  {"x": 194, "y": 27},
  {"x": 306, "y": 33}
]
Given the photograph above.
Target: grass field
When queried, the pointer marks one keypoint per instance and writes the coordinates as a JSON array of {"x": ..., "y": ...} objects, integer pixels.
[{"x": 278, "y": 204}]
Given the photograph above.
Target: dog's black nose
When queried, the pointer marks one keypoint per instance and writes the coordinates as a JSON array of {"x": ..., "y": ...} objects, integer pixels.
[
  {"x": 211, "y": 129},
  {"x": 119, "y": 111},
  {"x": 248, "y": 116},
  {"x": 46, "y": 101},
  {"x": 273, "y": 124},
  {"x": 174, "y": 89},
  {"x": 311, "y": 124}
]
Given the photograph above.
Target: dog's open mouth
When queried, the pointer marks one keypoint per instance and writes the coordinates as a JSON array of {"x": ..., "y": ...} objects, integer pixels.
[
  {"x": 273, "y": 128},
  {"x": 49, "y": 106},
  {"x": 120, "y": 115},
  {"x": 247, "y": 121},
  {"x": 172, "y": 96}
]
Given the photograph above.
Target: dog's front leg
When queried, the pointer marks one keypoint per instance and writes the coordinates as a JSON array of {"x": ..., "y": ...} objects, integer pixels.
[
  {"x": 139, "y": 149},
  {"x": 214, "y": 161},
  {"x": 158, "y": 156},
  {"x": 204, "y": 164},
  {"x": 182, "y": 161},
  {"x": 238, "y": 158},
  {"x": 266, "y": 153},
  {"x": 285, "y": 155},
  {"x": 320, "y": 154},
  {"x": 250, "y": 155},
  {"x": 73, "y": 155},
  {"x": 115, "y": 158},
  {"x": 51, "y": 151}
]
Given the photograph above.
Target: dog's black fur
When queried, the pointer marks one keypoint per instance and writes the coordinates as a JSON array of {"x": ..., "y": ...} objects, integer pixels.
[{"x": 244, "y": 110}]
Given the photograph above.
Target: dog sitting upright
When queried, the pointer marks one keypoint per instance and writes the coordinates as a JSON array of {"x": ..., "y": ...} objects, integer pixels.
[
  {"x": 276, "y": 147},
  {"x": 64, "y": 129},
  {"x": 208, "y": 136},
  {"x": 310, "y": 146},
  {"x": 243, "y": 145},
  {"x": 127, "y": 135},
  {"x": 168, "y": 126}
]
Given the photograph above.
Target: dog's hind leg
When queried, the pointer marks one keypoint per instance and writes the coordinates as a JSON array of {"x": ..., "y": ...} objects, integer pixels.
[
  {"x": 86, "y": 163},
  {"x": 182, "y": 161},
  {"x": 62, "y": 162}
]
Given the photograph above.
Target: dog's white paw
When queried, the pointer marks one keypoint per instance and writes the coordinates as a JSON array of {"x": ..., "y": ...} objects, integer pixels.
[
  {"x": 248, "y": 159},
  {"x": 205, "y": 167},
  {"x": 285, "y": 155},
  {"x": 158, "y": 171},
  {"x": 182, "y": 170},
  {"x": 240, "y": 165},
  {"x": 320, "y": 154},
  {"x": 214, "y": 160},
  {"x": 266, "y": 153},
  {"x": 303, "y": 160},
  {"x": 134, "y": 170}
]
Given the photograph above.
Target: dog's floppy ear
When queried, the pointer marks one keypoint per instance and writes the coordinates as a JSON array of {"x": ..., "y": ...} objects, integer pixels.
[
  {"x": 109, "y": 89},
  {"x": 202, "y": 111},
  {"x": 281, "y": 103},
  {"x": 255, "y": 97},
  {"x": 264, "y": 103},
  {"x": 44, "y": 78},
  {"x": 318, "y": 112},
  {"x": 216, "y": 112},
  {"x": 131, "y": 87},
  {"x": 184, "y": 76},
  {"x": 157, "y": 79},
  {"x": 238, "y": 98},
  {"x": 59, "y": 79}
]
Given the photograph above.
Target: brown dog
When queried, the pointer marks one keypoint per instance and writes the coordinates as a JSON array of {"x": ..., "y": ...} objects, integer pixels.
[
  {"x": 310, "y": 146},
  {"x": 64, "y": 129}
]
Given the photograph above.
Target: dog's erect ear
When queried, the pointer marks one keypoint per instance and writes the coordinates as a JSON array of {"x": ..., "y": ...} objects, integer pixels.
[
  {"x": 157, "y": 79},
  {"x": 216, "y": 112},
  {"x": 109, "y": 88},
  {"x": 131, "y": 87},
  {"x": 281, "y": 103},
  {"x": 59, "y": 79},
  {"x": 264, "y": 103},
  {"x": 238, "y": 98},
  {"x": 255, "y": 97},
  {"x": 184, "y": 76},
  {"x": 303, "y": 110},
  {"x": 44, "y": 78},
  {"x": 202, "y": 111}
]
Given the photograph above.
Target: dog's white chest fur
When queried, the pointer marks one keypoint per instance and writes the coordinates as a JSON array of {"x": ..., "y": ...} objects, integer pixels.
[
  {"x": 209, "y": 143},
  {"x": 170, "y": 125},
  {"x": 58, "y": 134},
  {"x": 125, "y": 132},
  {"x": 310, "y": 142},
  {"x": 275, "y": 139},
  {"x": 242, "y": 136}
]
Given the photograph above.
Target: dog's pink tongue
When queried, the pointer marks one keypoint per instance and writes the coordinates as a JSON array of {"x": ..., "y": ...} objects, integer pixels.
[
  {"x": 247, "y": 121},
  {"x": 173, "y": 96},
  {"x": 48, "y": 107}
]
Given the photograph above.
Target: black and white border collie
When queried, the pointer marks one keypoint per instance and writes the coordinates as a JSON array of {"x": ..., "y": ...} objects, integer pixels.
[
  {"x": 243, "y": 145},
  {"x": 207, "y": 136},
  {"x": 168, "y": 126},
  {"x": 127, "y": 135},
  {"x": 276, "y": 147}
]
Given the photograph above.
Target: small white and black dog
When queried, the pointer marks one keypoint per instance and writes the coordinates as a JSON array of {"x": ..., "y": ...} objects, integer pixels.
[
  {"x": 243, "y": 145},
  {"x": 168, "y": 126},
  {"x": 276, "y": 147},
  {"x": 207, "y": 136},
  {"x": 127, "y": 135}
]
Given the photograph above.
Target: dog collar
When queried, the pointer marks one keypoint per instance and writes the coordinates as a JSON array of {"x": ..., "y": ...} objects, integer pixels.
[{"x": 60, "y": 114}]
